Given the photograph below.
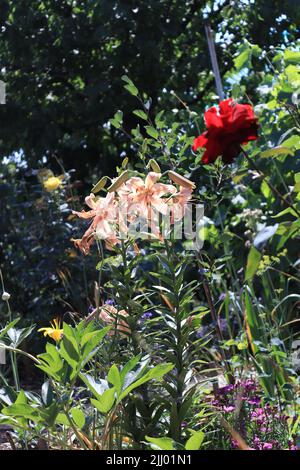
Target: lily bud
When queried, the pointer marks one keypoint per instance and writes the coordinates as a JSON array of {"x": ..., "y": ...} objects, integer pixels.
[
  {"x": 5, "y": 296},
  {"x": 154, "y": 165},
  {"x": 181, "y": 180},
  {"x": 100, "y": 185},
  {"x": 120, "y": 180}
]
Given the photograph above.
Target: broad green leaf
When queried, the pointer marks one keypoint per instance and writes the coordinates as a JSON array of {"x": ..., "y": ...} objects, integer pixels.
[
  {"x": 276, "y": 151},
  {"x": 62, "y": 419},
  {"x": 288, "y": 210},
  {"x": 49, "y": 414},
  {"x": 129, "y": 366},
  {"x": 154, "y": 166},
  {"x": 156, "y": 373},
  {"x": 22, "y": 410},
  {"x": 114, "y": 378},
  {"x": 265, "y": 189},
  {"x": 68, "y": 350},
  {"x": 292, "y": 142},
  {"x": 246, "y": 51},
  {"x": 163, "y": 443},
  {"x": 195, "y": 441},
  {"x": 152, "y": 131},
  {"x": 105, "y": 402},
  {"x": 94, "y": 337},
  {"x": 292, "y": 57},
  {"x": 78, "y": 417}
]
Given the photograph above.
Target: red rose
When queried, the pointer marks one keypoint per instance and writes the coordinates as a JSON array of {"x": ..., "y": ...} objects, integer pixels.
[{"x": 228, "y": 127}]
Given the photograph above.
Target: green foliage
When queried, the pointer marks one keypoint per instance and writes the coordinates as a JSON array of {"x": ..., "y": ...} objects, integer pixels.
[{"x": 191, "y": 319}]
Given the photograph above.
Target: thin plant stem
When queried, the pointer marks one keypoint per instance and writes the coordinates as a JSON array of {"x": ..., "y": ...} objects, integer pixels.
[{"x": 12, "y": 354}]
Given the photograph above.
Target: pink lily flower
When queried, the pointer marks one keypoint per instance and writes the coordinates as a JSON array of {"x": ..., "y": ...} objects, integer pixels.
[
  {"x": 110, "y": 315},
  {"x": 179, "y": 203},
  {"x": 146, "y": 195},
  {"x": 103, "y": 213},
  {"x": 143, "y": 198}
]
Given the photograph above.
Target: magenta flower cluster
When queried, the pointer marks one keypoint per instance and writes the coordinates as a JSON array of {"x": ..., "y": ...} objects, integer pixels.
[{"x": 261, "y": 424}]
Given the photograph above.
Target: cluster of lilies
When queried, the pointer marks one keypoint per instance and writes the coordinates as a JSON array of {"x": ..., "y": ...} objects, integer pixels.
[{"x": 130, "y": 199}]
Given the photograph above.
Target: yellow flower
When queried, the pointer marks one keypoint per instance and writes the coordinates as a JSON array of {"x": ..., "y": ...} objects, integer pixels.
[
  {"x": 52, "y": 183},
  {"x": 54, "y": 332}
]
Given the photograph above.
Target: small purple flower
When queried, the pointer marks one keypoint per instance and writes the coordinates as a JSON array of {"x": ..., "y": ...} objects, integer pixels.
[
  {"x": 234, "y": 444},
  {"x": 253, "y": 400},
  {"x": 228, "y": 409},
  {"x": 222, "y": 324},
  {"x": 267, "y": 446},
  {"x": 225, "y": 390},
  {"x": 147, "y": 316},
  {"x": 292, "y": 445},
  {"x": 248, "y": 385},
  {"x": 203, "y": 331},
  {"x": 110, "y": 302}
]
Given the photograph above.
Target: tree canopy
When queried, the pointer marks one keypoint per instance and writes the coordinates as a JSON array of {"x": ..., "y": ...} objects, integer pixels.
[{"x": 62, "y": 62}]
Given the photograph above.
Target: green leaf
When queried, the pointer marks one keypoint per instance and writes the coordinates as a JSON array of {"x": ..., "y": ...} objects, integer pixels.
[
  {"x": 69, "y": 352},
  {"x": 253, "y": 261},
  {"x": 130, "y": 86},
  {"x": 265, "y": 189},
  {"x": 243, "y": 59},
  {"x": 132, "y": 89},
  {"x": 291, "y": 57},
  {"x": 91, "y": 342},
  {"x": 246, "y": 51},
  {"x": 276, "y": 151},
  {"x": 288, "y": 210},
  {"x": 129, "y": 366},
  {"x": 155, "y": 373},
  {"x": 152, "y": 131},
  {"x": 114, "y": 378},
  {"x": 8, "y": 327},
  {"x": 163, "y": 443},
  {"x": 62, "y": 419},
  {"x": 21, "y": 410},
  {"x": 292, "y": 142},
  {"x": 116, "y": 121},
  {"x": 105, "y": 402},
  {"x": 21, "y": 398},
  {"x": 195, "y": 441},
  {"x": 141, "y": 114},
  {"x": 78, "y": 417},
  {"x": 49, "y": 414}
]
